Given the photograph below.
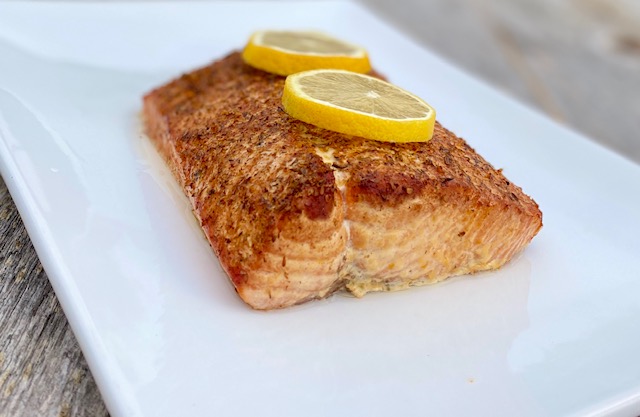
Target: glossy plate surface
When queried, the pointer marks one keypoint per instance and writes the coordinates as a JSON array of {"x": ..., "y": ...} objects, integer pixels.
[{"x": 554, "y": 333}]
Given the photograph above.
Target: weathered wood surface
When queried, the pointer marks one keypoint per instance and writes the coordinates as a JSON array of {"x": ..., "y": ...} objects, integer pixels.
[
  {"x": 42, "y": 370},
  {"x": 577, "y": 61}
]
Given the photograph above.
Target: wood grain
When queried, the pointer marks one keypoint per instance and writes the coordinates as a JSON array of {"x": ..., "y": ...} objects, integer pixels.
[
  {"x": 577, "y": 61},
  {"x": 42, "y": 370}
]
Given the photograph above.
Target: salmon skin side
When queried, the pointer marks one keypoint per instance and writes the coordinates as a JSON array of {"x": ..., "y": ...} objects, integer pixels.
[{"x": 295, "y": 212}]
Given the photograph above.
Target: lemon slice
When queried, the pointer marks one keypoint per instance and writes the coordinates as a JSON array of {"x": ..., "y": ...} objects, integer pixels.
[
  {"x": 358, "y": 105},
  {"x": 287, "y": 52}
]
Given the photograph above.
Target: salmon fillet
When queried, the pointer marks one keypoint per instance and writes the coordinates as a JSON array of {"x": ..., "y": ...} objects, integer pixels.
[{"x": 295, "y": 212}]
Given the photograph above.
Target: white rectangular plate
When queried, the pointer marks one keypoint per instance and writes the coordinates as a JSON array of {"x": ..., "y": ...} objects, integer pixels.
[{"x": 554, "y": 333}]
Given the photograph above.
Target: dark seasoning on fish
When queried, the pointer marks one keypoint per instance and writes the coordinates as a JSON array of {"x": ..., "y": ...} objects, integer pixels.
[{"x": 295, "y": 212}]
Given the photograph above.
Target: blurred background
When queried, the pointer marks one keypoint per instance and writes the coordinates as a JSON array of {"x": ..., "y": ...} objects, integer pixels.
[{"x": 578, "y": 61}]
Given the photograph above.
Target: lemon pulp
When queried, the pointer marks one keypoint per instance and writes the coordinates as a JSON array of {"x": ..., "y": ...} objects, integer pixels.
[
  {"x": 288, "y": 52},
  {"x": 358, "y": 105}
]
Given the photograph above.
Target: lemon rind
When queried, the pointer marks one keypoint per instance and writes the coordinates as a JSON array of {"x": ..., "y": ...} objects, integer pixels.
[
  {"x": 329, "y": 116},
  {"x": 357, "y": 123},
  {"x": 284, "y": 62}
]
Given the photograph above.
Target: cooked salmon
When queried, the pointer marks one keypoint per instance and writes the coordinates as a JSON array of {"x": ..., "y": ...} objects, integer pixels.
[{"x": 295, "y": 212}]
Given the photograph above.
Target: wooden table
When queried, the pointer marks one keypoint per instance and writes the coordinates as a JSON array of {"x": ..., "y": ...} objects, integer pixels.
[{"x": 578, "y": 62}]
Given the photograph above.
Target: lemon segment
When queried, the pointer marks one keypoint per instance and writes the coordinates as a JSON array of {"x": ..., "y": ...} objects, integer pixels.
[
  {"x": 358, "y": 105},
  {"x": 288, "y": 52}
]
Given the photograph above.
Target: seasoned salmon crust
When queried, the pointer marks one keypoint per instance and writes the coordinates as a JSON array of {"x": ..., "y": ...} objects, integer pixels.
[{"x": 295, "y": 212}]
